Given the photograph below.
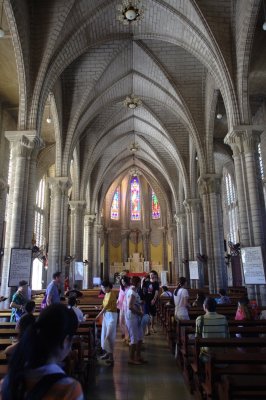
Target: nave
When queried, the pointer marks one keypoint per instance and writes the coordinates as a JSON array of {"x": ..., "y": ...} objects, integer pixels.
[{"x": 158, "y": 380}]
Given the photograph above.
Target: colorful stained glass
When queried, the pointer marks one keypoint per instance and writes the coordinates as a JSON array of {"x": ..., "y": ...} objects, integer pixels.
[
  {"x": 135, "y": 199},
  {"x": 115, "y": 208},
  {"x": 155, "y": 206}
]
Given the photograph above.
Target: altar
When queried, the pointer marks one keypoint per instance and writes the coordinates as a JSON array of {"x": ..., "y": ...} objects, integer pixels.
[{"x": 135, "y": 263}]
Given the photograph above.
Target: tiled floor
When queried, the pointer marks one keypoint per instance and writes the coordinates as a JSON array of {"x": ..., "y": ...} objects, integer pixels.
[{"x": 157, "y": 380}]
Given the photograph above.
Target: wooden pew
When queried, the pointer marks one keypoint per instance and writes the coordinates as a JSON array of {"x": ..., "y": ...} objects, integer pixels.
[{"x": 237, "y": 358}]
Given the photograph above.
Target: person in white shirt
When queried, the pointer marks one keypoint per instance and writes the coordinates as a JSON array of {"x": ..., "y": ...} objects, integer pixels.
[
  {"x": 181, "y": 300},
  {"x": 166, "y": 293},
  {"x": 72, "y": 303}
]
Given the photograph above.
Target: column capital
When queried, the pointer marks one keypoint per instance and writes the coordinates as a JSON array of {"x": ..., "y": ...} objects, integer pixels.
[
  {"x": 244, "y": 138},
  {"x": 77, "y": 205},
  {"x": 209, "y": 183},
  {"x": 24, "y": 141},
  {"x": 191, "y": 205},
  {"x": 59, "y": 184},
  {"x": 89, "y": 219}
]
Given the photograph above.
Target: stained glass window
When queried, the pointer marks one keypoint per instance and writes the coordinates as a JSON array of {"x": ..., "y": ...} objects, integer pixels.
[
  {"x": 155, "y": 206},
  {"x": 135, "y": 199},
  {"x": 116, "y": 205}
]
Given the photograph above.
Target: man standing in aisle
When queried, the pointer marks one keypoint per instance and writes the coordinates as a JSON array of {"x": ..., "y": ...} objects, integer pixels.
[{"x": 52, "y": 291}]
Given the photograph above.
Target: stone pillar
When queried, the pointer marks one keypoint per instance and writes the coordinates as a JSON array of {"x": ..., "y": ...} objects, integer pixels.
[
  {"x": 165, "y": 249},
  {"x": 125, "y": 244},
  {"x": 3, "y": 194},
  {"x": 24, "y": 148},
  {"x": 244, "y": 142},
  {"x": 97, "y": 250},
  {"x": 192, "y": 207},
  {"x": 106, "y": 256},
  {"x": 175, "y": 254},
  {"x": 77, "y": 231},
  {"x": 89, "y": 220},
  {"x": 58, "y": 225},
  {"x": 182, "y": 244},
  {"x": 210, "y": 188},
  {"x": 146, "y": 239}
]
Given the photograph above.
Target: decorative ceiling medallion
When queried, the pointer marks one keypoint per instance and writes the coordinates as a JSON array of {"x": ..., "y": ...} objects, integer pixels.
[
  {"x": 132, "y": 102},
  {"x": 130, "y": 12}
]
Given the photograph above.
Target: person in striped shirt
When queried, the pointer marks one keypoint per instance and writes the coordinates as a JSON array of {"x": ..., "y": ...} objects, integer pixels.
[{"x": 212, "y": 324}]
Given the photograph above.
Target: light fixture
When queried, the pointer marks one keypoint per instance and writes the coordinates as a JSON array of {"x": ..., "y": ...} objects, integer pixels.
[
  {"x": 132, "y": 102},
  {"x": 49, "y": 119},
  {"x": 2, "y": 32},
  {"x": 264, "y": 23},
  {"x": 130, "y": 12},
  {"x": 218, "y": 115}
]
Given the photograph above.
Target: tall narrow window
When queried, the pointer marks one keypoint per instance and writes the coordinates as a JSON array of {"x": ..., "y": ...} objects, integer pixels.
[
  {"x": 155, "y": 206},
  {"x": 260, "y": 162},
  {"x": 115, "y": 208},
  {"x": 39, "y": 215},
  {"x": 135, "y": 199},
  {"x": 231, "y": 208}
]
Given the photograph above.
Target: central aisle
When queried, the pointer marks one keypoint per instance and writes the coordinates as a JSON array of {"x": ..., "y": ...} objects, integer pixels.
[{"x": 158, "y": 380}]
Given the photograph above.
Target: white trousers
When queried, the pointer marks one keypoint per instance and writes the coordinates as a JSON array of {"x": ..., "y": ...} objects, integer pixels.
[
  {"x": 108, "y": 334},
  {"x": 134, "y": 328}
]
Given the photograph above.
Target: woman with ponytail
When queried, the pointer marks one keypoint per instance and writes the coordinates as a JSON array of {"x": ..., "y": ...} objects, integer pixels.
[
  {"x": 181, "y": 300},
  {"x": 34, "y": 368}
]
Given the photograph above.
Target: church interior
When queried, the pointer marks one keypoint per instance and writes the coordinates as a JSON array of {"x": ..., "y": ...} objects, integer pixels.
[
  {"x": 130, "y": 141},
  {"x": 133, "y": 137}
]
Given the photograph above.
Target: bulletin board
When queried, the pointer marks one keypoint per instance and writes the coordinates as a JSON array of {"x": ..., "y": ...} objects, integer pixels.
[
  {"x": 20, "y": 266},
  {"x": 79, "y": 271},
  {"x": 252, "y": 265},
  {"x": 193, "y": 270}
]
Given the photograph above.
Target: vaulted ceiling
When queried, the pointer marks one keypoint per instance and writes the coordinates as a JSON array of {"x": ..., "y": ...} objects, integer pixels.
[{"x": 184, "y": 60}]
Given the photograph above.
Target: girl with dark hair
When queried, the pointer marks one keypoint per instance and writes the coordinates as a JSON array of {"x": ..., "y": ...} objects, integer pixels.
[
  {"x": 109, "y": 313},
  {"x": 34, "y": 371},
  {"x": 121, "y": 305},
  {"x": 181, "y": 300}
]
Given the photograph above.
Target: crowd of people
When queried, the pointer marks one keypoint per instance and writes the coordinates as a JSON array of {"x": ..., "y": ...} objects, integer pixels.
[{"x": 35, "y": 359}]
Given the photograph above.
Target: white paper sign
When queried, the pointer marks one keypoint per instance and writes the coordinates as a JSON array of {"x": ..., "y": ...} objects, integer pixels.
[
  {"x": 164, "y": 278},
  {"x": 193, "y": 270},
  {"x": 20, "y": 266},
  {"x": 146, "y": 266},
  {"x": 253, "y": 265},
  {"x": 79, "y": 271}
]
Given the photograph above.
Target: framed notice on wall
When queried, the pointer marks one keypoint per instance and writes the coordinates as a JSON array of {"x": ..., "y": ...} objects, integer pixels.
[
  {"x": 79, "y": 271},
  {"x": 20, "y": 266},
  {"x": 252, "y": 265},
  {"x": 193, "y": 270}
]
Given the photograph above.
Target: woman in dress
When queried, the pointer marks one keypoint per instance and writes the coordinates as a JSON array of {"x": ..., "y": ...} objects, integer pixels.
[
  {"x": 181, "y": 300},
  {"x": 134, "y": 315},
  {"x": 121, "y": 305}
]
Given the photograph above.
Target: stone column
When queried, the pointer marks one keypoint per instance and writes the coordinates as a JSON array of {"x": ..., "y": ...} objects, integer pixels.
[
  {"x": 175, "y": 253},
  {"x": 146, "y": 239},
  {"x": 88, "y": 251},
  {"x": 125, "y": 244},
  {"x": 106, "y": 256},
  {"x": 209, "y": 188},
  {"x": 77, "y": 231},
  {"x": 24, "y": 147},
  {"x": 244, "y": 142},
  {"x": 182, "y": 244},
  {"x": 97, "y": 249},
  {"x": 165, "y": 249},
  {"x": 193, "y": 221},
  {"x": 58, "y": 225},
  {"x": 3, "y": 194}
]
